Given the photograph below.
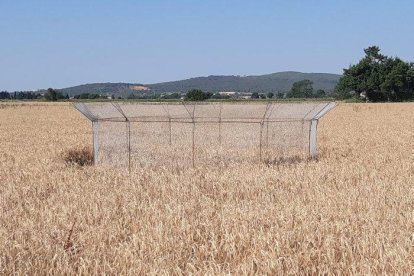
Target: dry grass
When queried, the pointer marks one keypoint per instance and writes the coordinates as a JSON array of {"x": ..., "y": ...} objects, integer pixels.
[
  {"x": 79, "y": 156},
  {"x": 350, "y": 212}
]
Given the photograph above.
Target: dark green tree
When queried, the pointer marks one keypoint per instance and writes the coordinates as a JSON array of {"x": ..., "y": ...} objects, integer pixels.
[
  {"x": 270, "y": 95},
  {"x": 301, "y": 89},
  {"x": 320, "y": 93},
  {"x": 5, "y": 95},
  {"x": 196, "y": 95},
  {"x": 51, "y": 95},
  {"x": 379, "y": 77},
  {"x": 254, "y": 95}
]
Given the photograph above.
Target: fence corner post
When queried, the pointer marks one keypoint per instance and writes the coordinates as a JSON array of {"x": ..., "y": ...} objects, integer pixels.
[
  {"x": 95, "y": 141},
  {"x": 313, "y": 150}
]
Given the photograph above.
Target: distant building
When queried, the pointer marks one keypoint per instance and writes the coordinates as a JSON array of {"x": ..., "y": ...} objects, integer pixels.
[{"x": 228, "y": 93}]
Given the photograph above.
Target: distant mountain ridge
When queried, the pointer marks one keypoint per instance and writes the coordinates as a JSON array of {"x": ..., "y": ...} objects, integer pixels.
[
  {"x": 117, "y": 89},
  {"x": 276, "y": 82}
]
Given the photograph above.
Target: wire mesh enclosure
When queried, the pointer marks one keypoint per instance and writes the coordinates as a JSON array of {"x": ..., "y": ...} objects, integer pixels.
[{"x": 129, "y": 134}]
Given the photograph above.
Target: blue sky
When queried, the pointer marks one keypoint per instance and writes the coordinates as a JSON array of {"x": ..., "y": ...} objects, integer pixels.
[{"x": 56, "y": 43}]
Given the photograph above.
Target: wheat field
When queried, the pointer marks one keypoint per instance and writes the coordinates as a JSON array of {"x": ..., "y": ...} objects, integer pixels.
[{"x": 350, "y": 212}]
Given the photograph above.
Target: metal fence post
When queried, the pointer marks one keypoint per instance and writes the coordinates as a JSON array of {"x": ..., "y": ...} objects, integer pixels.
[
  {"x": 193, "y": 121},
  {"x": 193, "y": 153},
  {"x": 261, "y": 129},
  {"x": 169, "y": 123},
  {"x": 313, "y": 151},
  {"x": 95, "y": 141},
  {"x": 267, "y": 132},
  {"x": 128, "y": 125},
  {"x": 260, "y": 144},
  {"x": 220, "y": 123}
]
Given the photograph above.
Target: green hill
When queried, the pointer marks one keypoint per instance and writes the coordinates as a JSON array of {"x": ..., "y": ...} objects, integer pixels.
[
  {"x": 117, "y": 89},
  {"x": 276, "y": 82},
  {"x": 264, "y": 83}
]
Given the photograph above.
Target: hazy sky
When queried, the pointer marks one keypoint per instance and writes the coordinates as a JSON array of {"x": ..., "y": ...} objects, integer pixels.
[{"x": 61, "y": 43}]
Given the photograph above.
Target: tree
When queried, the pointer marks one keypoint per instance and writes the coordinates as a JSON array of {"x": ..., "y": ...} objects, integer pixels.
[
  {"x": 320, "y": 93},
  {"x": 51, "y": 95},
  {"x": 270, "y": 95},
  {"x": 280, "y": 95},
  {"x": 170, "y": 96},
  {"x": 5, "y": 95},
  {"x": 301, "y": 89},
  {"x": 373, "y": 54},
  {"x": 395, "y": 85},
  {"x": 197, "y": 95},
  {"x": 379, "y": 77},
  {"x": 85, "y": 96},
  {"x": 254, "y": 95},
  {"x": 95, "y": 96}
]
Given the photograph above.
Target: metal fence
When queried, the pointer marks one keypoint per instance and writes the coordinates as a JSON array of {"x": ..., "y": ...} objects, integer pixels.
[{"x": 130, "y": 134}]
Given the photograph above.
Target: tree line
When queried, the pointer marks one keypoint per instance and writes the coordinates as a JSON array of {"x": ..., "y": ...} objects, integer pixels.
[
  {"x": 300, "y": 89},
  {"x": 50, "y": 95},
  {"x": 20, "y": 95}
]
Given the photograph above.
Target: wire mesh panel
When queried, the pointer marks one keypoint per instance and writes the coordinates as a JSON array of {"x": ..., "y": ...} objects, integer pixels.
[
  {"x": 111, "y": 143},
  {"x": 160, "y": 144},
  {"x": 102, "y": 111},
  {"x": 207, "y": 149},
  {"x": 182, "y": 135},
  {"x": 247, "y": 113},
  {"x": 242, "y": 142},
  {"x": 294, "y": 111},
  {"x": 148, "y": 112},
  {"x": 285, "y": 139}
]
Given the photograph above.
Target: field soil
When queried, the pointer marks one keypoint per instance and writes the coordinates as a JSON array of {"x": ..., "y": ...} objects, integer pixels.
[{"x": 351, "y": 211}]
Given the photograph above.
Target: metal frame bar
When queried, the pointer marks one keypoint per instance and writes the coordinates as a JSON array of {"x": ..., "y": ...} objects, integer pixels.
[
  {"x": 82, "y": 108},
  {"x": 309, "y": 112},
  {"x": 202, "y": 122},
  {"x": 328, "y": 107}
]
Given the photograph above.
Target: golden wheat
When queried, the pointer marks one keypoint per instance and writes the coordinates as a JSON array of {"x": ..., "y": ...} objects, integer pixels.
[{"x": 352, "y": 211}]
